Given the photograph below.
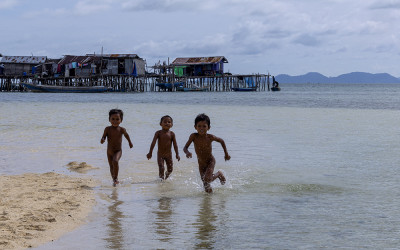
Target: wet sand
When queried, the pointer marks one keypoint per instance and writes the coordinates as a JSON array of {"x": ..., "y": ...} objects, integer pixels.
[{"x": 38, "y": 208}]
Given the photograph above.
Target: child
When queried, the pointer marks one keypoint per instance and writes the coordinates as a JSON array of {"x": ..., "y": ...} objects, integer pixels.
[
  {"x": 165, "y": 139},
  {"x": 202, "y": 145},
  {"x": 114, "y": 139}
]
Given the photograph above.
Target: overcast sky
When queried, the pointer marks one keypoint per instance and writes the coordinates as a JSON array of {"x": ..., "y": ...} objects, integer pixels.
[{"x": 292, "y": 37}]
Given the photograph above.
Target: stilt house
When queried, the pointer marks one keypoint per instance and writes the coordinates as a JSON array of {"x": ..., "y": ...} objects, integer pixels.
[
  {"x": 78, "y": 66},
  {"x": 199, "y": 66},
  {"x": 106, "y": 64},
  {"x": 122, "y": 64},
  {"x": 22, "y": 65}
]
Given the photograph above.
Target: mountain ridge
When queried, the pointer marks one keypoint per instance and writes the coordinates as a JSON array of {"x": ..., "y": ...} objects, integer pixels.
[{"x": 353, "y": 77}]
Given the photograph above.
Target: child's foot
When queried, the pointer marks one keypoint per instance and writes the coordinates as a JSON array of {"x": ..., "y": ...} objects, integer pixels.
[
  {"x": 221, "y": 178},
  {"x": 115, "y": 182},
  {"x": 207, "y": 187}
]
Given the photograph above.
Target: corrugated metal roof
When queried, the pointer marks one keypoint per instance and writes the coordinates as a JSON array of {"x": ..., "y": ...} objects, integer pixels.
[
  {"x": 198, "y": 60},
  {"x": 78, "y": 59},
  {"x": 24, "y": 59},
  {"x": 116, "y": 55},
  {"x": 121, "y": 55}
]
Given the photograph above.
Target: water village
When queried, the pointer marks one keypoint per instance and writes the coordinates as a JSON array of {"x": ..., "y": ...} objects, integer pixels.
[{"x": 124, "y": 73}]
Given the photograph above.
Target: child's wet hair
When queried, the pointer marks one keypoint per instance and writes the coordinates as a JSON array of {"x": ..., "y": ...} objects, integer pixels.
[
  {"x": 116, "y": 111},
  {"x": 166, "y": 116},
  {"x": 202, "y": 117}
]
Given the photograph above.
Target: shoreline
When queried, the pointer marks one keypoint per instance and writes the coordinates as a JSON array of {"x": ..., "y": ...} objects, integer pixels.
[{"x": 39, "y": 208}]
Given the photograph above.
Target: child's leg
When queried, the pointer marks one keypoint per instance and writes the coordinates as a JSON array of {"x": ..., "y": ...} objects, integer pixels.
[
  {"x": 169, "y": 163},
  {"x": 206, "y": 173},
  {"x": 113, "y": 160},
  {"x": 161, "y": 168},
  {"x": 117, "y": 157},
  {"x": 209, "y": 176},
  {"x": 110, "y": 157},
  {"x": 207, "y": 186},
  {"x": 221, "y": 177},
  {"x": 209, "y": 170}
]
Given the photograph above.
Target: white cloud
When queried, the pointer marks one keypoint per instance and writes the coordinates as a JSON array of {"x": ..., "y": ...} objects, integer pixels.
[
  {"x": 7, "y": 4},
  {"x": 168, "y": 5},
  {"x": 86, "y": 7},
  {"x": 382, "y": 4},
  {"x": 37, "y": 14},
  {"x": 307, "y": 40}
]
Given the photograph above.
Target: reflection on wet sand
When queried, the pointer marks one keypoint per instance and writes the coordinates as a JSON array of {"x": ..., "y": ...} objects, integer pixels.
[
  {"x": 163, "y": 220},
  {"x": 115, "y": 237},
  {"x": 206, "y": 224}
]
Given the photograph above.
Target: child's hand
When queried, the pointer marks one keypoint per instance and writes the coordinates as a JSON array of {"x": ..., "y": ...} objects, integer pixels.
[
  {"x": 227, "y": 157},
  {"x": 188, "y": 155},
  {"x": 130, "y": 145},
  {"x": 149, "y": 156},
  {"x": 178, "y": 157},
  {"x": 102, "y": 140}
]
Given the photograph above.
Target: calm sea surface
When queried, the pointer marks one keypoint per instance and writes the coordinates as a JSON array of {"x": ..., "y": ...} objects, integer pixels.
[{"x": 313, "y": 166}]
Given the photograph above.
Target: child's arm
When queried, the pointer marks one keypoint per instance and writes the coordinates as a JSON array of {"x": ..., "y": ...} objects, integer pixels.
[
  {"x": 127, "y": 138},
  {"x": 103, "y": 138},
  {"x": 222, "y": 142},
  {"x": 153, "y": 143},
  {"x": 175, "y": 147},
  {"x": 185, "y": 149}
]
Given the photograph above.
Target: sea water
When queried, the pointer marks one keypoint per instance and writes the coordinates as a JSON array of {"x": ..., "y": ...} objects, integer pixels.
[{"x": 313, "y": 166}]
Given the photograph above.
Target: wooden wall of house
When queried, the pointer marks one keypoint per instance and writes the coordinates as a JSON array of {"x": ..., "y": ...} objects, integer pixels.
[
  {"x": 83, "y": 72},
  {"x": 140, "y": 66},
  {"x": 111, "y": 67},
  {"x": 17, "y": 68}
]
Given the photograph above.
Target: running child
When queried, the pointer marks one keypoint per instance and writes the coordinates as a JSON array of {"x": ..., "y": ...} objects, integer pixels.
[
  {"x": 202, "y": 144},
  {"x": 114, "y": 134},
  {"x": 165, "y": 138}
]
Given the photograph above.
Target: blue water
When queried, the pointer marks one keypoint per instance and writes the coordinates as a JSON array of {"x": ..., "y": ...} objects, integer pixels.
[
  {"x": 313, "y": 166},
  {"x": 356, "y": 96}
]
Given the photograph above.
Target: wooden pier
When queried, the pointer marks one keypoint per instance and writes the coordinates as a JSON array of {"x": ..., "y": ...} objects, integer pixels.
[{"x": 147, "y": 83}]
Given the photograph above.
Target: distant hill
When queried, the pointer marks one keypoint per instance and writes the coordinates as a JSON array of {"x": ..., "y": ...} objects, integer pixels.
[{"x": 354, "y": 77}]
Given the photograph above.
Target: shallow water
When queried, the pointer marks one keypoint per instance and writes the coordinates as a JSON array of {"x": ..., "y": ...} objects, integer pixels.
[{"x": 314, "y": 166}]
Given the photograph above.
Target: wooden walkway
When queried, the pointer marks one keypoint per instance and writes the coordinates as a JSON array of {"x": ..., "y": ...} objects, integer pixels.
[{"x": 127, "y": 83}]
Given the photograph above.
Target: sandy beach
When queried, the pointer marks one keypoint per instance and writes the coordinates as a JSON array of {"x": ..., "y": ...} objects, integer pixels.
[{"x": 38, "y": 208}]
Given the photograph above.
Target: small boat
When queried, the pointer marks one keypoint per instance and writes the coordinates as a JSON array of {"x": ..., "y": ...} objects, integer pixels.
[
  {"x": 275, "y": 85},
  {"x": 169, "y": 86},
  {"x": 276, "y": 88},
  {"x": 246, "y": 89},
  {"x": 193, "y": 88},
  {"x": 65, "y": 89},
  {"x": 245, "y": 84}
]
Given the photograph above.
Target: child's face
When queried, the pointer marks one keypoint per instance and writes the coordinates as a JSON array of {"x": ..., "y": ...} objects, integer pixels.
[
  {"x": 115, "y": 120},
  {"x": 202, "y": 127},
  {"x": 166, "y": 123}
]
